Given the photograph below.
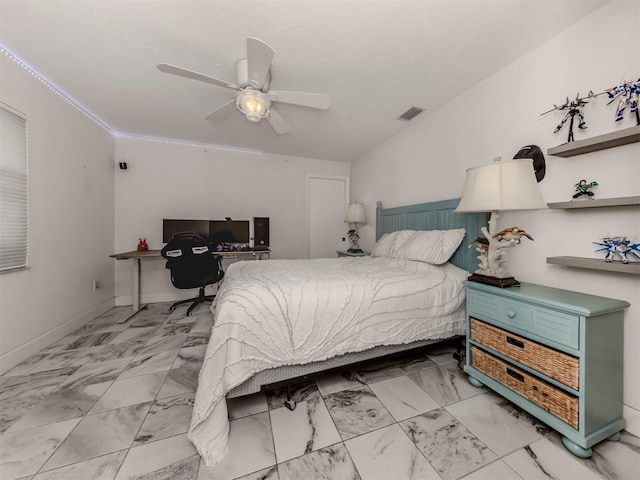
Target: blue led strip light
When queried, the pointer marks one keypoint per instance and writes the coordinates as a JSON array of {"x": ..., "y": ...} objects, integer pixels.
[
  {"x": 55, "y": 89},
  {"x": 95, "y": 119}
]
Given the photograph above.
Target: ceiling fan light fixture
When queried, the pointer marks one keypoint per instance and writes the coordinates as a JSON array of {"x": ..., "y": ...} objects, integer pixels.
[{"x": 254, "y": 104}]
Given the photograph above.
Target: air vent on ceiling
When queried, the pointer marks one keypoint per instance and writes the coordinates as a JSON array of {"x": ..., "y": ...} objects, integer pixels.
[{"x": 412, "y": 112}]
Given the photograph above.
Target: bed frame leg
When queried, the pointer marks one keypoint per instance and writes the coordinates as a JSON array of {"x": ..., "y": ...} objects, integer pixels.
[
  {"x": 290, "y": 403},
  {"x": 459, "y": 354}
]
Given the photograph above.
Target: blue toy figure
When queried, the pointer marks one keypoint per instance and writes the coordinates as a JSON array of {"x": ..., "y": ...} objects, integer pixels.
[
  {"x": 628, "y": 94},
  {"x": 619, "y": 245}
]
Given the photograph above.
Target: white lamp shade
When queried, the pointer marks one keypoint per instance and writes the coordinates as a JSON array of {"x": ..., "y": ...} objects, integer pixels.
[
  {"x": 509, "y": 185},
  {"x": 355, "y": 213}
]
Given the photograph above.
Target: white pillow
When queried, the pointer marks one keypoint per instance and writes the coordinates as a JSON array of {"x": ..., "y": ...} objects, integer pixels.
[
  {"x": 388, "y": 243},
  {"x": 431, "y": 246},
  {"x": 384, "y": 245},
  {"x": 401, "y": 238}
]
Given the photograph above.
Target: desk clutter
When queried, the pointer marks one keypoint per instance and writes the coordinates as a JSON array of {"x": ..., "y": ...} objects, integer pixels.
[{"x": 229, "y": 247}]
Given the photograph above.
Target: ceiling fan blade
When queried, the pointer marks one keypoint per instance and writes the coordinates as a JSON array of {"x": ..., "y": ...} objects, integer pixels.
[
  {"x": 201, "y": 77},
  {"x": 278, "y": 123},
  {"x": 313, "y": 100},
  {"x": 221, "y": 112},
  {"x": 259, "y": 57}
]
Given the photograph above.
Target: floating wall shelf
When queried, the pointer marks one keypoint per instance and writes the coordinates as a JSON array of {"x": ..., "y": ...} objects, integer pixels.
[
  {"x": 599, "y": 142},
  {"x": 596, "y": 264},
  {"x": 600, "y": 202}
]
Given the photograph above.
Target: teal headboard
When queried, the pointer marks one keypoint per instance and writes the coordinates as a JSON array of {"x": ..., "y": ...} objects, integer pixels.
[{"x": 435, "y": 216}]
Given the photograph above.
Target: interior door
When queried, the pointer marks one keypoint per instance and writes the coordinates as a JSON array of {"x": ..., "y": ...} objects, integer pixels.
[{"x": 327, "y": 202}]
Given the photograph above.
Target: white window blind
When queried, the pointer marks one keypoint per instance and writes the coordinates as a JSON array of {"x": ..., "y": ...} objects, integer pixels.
[{"x": 13, "y": 190}]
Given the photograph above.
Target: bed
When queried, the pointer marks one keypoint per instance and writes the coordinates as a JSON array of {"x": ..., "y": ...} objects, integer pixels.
[{"x": 278, "y": 321}]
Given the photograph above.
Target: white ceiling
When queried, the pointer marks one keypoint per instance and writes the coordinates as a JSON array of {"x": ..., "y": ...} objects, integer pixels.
[{"x": 375, "y": 59}]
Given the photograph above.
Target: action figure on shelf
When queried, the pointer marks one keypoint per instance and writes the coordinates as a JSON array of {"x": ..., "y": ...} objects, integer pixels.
[
  {"x": 627, "y": 93},
  {"x": 582, "y": 188},
  {"x": 573, "y": 108},
  {"x": 618, "y": 245}
]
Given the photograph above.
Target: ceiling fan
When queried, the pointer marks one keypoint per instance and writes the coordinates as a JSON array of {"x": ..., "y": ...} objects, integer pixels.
[{"x": 253, "y": 97}]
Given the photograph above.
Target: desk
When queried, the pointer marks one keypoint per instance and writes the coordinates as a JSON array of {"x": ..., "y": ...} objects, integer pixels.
[{"x": 138, "y": 256}]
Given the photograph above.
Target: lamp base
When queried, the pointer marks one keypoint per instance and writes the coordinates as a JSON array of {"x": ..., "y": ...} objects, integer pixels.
[{"x": 494, "y": 281}]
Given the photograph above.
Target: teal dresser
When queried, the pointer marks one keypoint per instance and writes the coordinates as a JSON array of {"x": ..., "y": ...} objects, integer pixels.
[{"x": 555, "y": 353}]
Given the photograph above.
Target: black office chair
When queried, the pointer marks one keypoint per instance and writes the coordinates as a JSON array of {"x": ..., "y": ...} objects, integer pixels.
[{"x": 193, "y": 264}]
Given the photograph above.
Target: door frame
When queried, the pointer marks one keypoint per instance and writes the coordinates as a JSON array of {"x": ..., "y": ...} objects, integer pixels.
[{"x": 310, "y": 176}]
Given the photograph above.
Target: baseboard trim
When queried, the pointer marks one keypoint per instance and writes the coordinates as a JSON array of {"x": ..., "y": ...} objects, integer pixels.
[
  {"x": 24, "y": 351},
  {"x": 632, "y": 416}
]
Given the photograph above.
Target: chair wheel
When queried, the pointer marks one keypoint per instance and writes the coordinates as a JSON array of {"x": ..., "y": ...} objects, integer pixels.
[{"x": 290, "y": 404}]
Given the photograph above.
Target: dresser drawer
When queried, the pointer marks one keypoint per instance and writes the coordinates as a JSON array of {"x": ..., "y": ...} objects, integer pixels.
[
  {"x": 559, "y": 327},
  {"x": 547, "y": 397},
  {"x": 554, "y": 364}
]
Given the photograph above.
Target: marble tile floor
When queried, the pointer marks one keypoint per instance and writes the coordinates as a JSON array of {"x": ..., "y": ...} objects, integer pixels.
[{"x": 114, "y": 400}]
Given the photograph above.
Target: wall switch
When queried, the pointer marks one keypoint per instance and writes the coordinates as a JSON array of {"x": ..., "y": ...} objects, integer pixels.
[{"x": 95, "y": 285}]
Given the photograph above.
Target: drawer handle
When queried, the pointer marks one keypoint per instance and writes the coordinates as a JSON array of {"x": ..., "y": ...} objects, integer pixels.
[
  {"x": 515, "y": 375},
  {"x": 514, "y": 342},
  {"x": 511, "y": 314}
]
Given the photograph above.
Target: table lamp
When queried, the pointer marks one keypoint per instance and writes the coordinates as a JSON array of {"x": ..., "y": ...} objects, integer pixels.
[
  {"x": 492, "y": 188},
  {"x": 355, "y": 215}
]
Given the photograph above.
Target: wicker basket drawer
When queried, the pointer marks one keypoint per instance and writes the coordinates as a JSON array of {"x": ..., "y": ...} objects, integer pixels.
[
  {"x": 545, "y": 396},
  {"x": 557, "y": 365}
]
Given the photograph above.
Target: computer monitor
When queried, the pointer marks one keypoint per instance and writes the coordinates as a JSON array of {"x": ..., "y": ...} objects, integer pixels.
[
  {"x": 229, "y": 231},
  {"x": 170, "y": 227}
]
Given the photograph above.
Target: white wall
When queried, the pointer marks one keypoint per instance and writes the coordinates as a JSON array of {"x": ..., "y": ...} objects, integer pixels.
[
  {"x": 427, "y": 162},
  {"x": 175, "y": 181},
  {"x": 71, "y": 221}
]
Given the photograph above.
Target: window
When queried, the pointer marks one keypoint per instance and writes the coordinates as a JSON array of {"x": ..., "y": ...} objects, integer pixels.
[{"x": 13, "y": 189}]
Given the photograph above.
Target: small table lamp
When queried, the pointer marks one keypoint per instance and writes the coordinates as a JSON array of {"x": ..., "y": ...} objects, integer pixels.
[
  {"x": 499, "y": 186},
  {"x": 355, "y": 215}
]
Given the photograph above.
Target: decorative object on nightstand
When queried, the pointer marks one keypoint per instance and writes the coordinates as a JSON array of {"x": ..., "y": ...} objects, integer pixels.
[
  {"x": 345, "y": 253},
  {"x": 490, "y": 188},
  {"x": 355, "y": 215},
  {"x": 555, "y": 353},
  {"x": 583, "y": 189},
  {"x": 621, "y": 246}
]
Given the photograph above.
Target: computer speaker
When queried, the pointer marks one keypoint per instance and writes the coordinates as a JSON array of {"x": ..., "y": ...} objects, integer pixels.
[{"x": 260, "y": 232}]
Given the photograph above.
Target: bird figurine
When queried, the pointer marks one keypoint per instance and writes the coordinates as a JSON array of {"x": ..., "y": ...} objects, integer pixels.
[
  {"x": 481, "y": 244},
  {"x": 512, "y": 233}
]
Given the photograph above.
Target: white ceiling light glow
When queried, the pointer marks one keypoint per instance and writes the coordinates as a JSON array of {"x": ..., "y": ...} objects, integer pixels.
[{"x": 254, "y": 104}]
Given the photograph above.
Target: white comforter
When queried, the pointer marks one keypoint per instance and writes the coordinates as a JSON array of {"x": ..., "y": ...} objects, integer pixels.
[{"x": 284, "y": 312}]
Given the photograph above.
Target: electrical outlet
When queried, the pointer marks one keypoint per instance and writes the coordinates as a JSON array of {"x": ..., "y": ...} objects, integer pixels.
[{"x": 95, "y": 285}]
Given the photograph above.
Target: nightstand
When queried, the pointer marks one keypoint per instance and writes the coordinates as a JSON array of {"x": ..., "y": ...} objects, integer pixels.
[
  {"x": 555, "y": 353},
  {"x": 344, "y": 253}
]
